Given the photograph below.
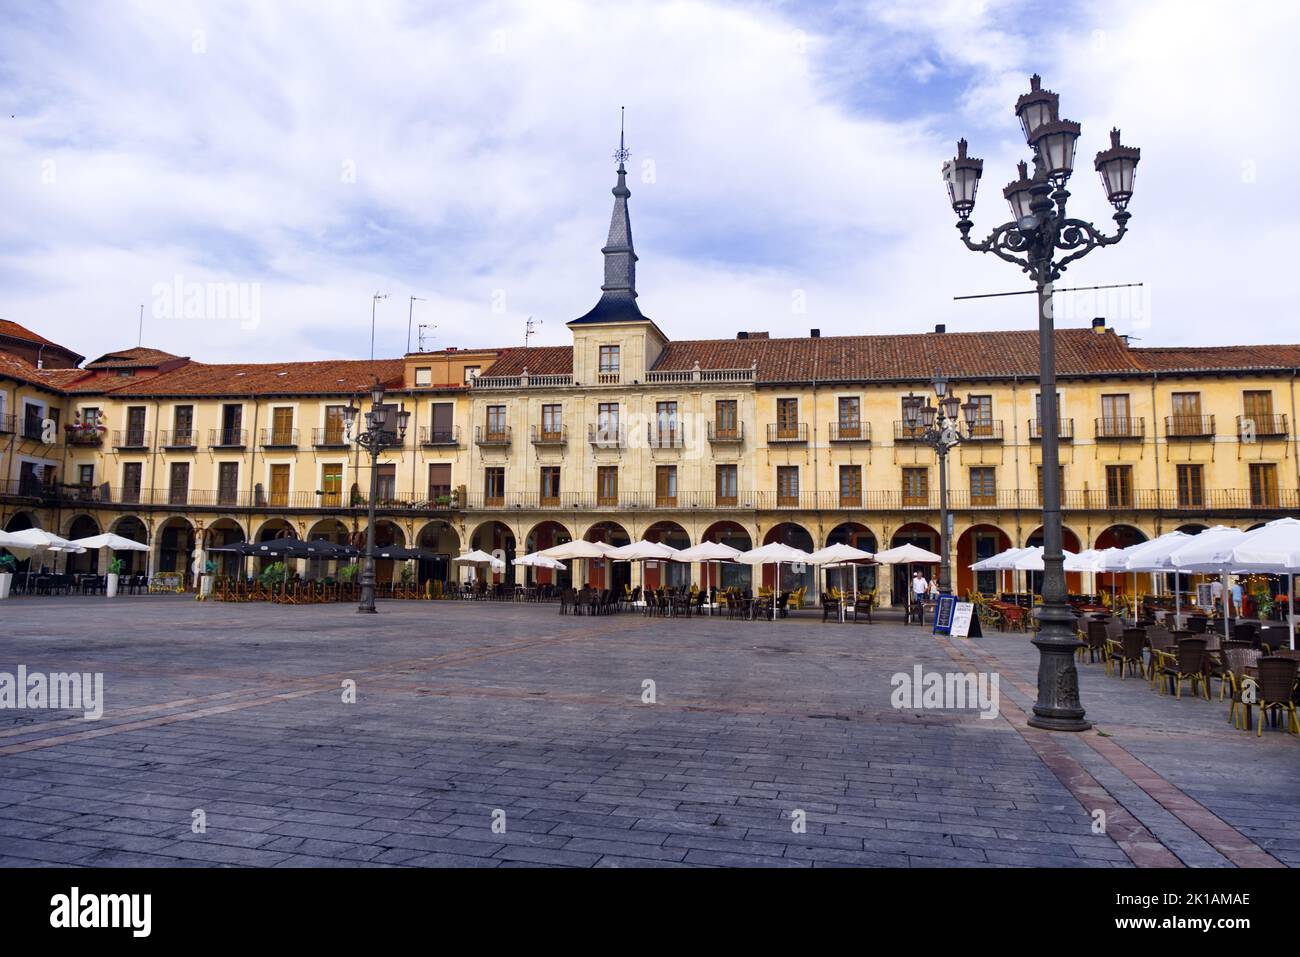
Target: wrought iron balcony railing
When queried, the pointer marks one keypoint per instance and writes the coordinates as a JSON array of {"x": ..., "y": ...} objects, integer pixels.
[
  {"x": 665, "y": 437},
  {"x": 279, "y": 438},
  {"x": 178, "y": 438},
  {"x": 131, "y": 438},
  {"x": 610, "y": 436},
  {"x": 227, "y": 438},
  {"x": 850, "y": 432},
  {"x": 431, "y": 436},
  {"x": 552, "y": 437},
  {"x": 1189, "y": 426},
  {"x": 493, "y": 437},
  {"x": 990, "y": 431},
  {"x": 1121, "y": 427},
  {"x": 787, "y": 432},
  {"x": 329, "y": 437},
  {"x": 1260, "y": 426},
  {"x": 726, "y": 434},
  {"x": 1064, "y": 430}
]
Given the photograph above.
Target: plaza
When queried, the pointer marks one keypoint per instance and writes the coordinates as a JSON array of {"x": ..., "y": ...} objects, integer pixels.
[{"x": 502, "y": 734}]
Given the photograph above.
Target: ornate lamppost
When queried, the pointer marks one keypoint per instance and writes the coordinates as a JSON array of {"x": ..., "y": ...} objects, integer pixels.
[
  {"x": 379, "y": 434},
  {"x": 1042, "y": 241},
  {"x": 938, "y": 428}
]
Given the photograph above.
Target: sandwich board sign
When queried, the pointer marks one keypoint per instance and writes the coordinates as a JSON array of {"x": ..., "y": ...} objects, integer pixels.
[{"x": 965, "y": 623}]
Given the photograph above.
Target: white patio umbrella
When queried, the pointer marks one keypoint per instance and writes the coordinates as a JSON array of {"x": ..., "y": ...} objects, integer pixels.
[
  {"x": 1001, "y": 562},
  {"x": 579, "y": 548},
  {"x": 908, "y": 554},
  {"x": 33, "y": 541},
  {"x": 480, "y": 557},
  {"x": 1112, "y": 560},
  {"x": 1211, "y": 552},
  {"x": 841, "y": 555},
  {"x": 1275, "y": 549},
  {"x": 1153, "y": 556},
  {"x": 538, "y": 560},
  {"x": 115, "y": 542},
  {"x": 775, "y": 553},
  {"x": 643, "y": 551},
  {"x": 707, "y": 553}
]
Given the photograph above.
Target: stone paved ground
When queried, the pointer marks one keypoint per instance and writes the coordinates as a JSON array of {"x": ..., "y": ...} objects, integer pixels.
[{"x": 464, "y": 709}]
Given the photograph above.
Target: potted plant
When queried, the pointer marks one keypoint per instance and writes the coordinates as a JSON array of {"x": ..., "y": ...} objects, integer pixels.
[
  {"x": 114, "y": 576},
  {"x": 348, "y": 572},
  {"x": 7, "y": 565},
  {"x": 205, "y": 580}
]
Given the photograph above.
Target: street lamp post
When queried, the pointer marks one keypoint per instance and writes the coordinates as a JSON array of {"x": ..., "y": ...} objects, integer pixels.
[
  {"x": 1043, "y": 242},
  {"x": 938, "y": 427},
  {"x": 378, "y": 435}
]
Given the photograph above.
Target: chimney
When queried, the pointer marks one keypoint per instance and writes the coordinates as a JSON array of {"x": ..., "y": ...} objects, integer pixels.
[
  {"x": 742, "y": 335},
  {"x": 1099, "y": 325},
  {"x": 815, "y": 333},
  {"x": 940, "y": 327}
]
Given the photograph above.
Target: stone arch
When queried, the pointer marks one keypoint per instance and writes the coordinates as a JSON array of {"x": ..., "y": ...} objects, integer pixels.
[
  {"x": 856, "y": 535},
  {"x": 547, "y": 534},
  {"x": 1071, "y": 542},
  {"x": 19, "y": 521},
  {"x": 792, "y": 576},
  {"x": 134, "y": 528},
  {"x": 671, "y": 574},
  {"x": 732, "y": 574},
  {"x": 496, "y": 538},
  {"x": 974, "y": 544},
  {"x": 922, "y": 536},
  {"x": 439, "y": 538},
  {"x": 1118, "y": 536},
  {"x": 222, "y": 533},
  {"x": 174, "y": 547},
  {"x": 619, "y": 573},
  {"x": 83, "y": 525}
]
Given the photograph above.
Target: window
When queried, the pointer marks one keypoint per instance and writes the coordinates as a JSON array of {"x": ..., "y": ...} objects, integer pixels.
[
  {"x": 850, "y": 485},
  {"x": 787, "y": 485},
  {"x": 665, "y": 485},
  {"x": 850, "y": 417},
  {"x": 1114, "y": 416},
  {"x": 90, "y": 416},
  {"x": 424, "y": 376},
  {"x": 1263, "y": 485},
  {"x": 666, "y": 424},
  {"x": 551, "y": 424},
  {"x": 550, "y": 490},
  {"x": 609, "y": 360},
  {"x": 85, "y": 475},
  {"x": 1036, "y": 430},
  {"x": 439, "y": 482},
  {"x": 386, "y": 483},
  {"x": 725, "y": 484},
  {"x": 135, "y": 426},
  {"x": 132, "y": 475},
  {"x": 183, "y": 425},
  {"x": 331, "y": 484},
  {"x": 607, "y": 427},
  {"x": 724, "y": 418},
  {"x": 1258, "y": 407},
  {"x": 232, "y": 424},
  {"x": 334, "y": 425},
  {"x": 282, "y": 426},
  {"x": 494, "y": 485},
  {"x": 280, "y": 485},
  {"x": 179, "y": 488},
  {"x": 980, "y": 422},
  {"x": 1119, "y": 486},
  {"x": 471, "y": 373},
  {"x": 33, "y": 415},
  {"x": 1060, "y": 484},
  {"x": 916, "y": 486},
  {"x": 1191, "y": 487},
  {"x": 607, "y": 485},
  {"x": 983, "y": 486},
  {"x": 496, "y": 421},
  {"x": 442, "y": 431},
  {"x": 1186, "y": 419},
  {"x": 787, "y": 418},
  {"x": 228, "y": 483}
]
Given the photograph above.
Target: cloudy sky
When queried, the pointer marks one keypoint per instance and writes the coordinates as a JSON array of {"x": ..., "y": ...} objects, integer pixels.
[{"x": 784, "y": 171}]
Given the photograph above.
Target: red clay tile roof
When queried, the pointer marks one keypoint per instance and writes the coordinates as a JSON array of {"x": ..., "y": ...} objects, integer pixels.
[
  {"x": 904, "y": 356},
  {"x": 139, "y": 357},
  {"x": 55, "y": 380},
  {"x": 538, "y": 360},
  {"x": 1199, "y": 359},
  {"x": 14, "y": 331},
  {"x": 330, "y": 377}
]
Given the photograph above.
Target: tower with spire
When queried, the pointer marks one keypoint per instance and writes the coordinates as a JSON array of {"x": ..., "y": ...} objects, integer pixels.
[{"x": 616, "y": 319}]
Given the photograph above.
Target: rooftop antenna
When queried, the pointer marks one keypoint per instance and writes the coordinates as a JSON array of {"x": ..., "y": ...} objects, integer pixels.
[
  {"x": 374, "y": 301},
  {"x": 621, "y": 154},
  {"x": 409, "y": 313},
  {"x": 422, "y": 335},
  {"x": 530, "y": 330},
  {"x": 139, "y": 339}
]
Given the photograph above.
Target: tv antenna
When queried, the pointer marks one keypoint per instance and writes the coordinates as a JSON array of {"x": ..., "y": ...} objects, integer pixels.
[
  {"x": 423, "y": 335},
  {"x": 530, "y": 329},
  {"x": 374, "y": 301},
  {"x": 410, "y": 312}
]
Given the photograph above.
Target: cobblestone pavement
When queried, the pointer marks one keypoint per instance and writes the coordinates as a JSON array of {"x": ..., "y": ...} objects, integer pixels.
[{"x": 465, "y": 711}]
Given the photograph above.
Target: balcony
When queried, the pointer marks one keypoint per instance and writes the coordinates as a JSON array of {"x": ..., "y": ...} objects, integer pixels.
[
  {"x": 1119, "y": 428},
  {"x": 607, "y": 378},
  {"x": 1251, "y": 427},
  {"x": 498, "y": 437},
  {"x": 131, "y": 439},
  {"x": 906, "y": 433},
  {"x": 279, "y": 439},
  {"x": 609, "y": 436},
  {"x": 990, "y": 431},
  {"x": 550, "y": 438},
  {"x": 178, "y": 439},
  {"x": 787, "y": 432},
  {"x": 83, "y": 436},
  {"x": 1189, "y": 426},
  {"x": 850, "y": 432},
  {"x": 330, "y": 437},
  {"x": 727, "y": 435},
  {"x": 227, "y": 438},
  {"x": 667, "y": 437},
  {"x": 434, "y": 437},
  {"x": 1064, "y": 430},
  {"x": 7, "y": 424}
]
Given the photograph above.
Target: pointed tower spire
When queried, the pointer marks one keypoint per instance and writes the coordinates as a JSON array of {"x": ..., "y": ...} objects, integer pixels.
[{"x": 618, "y": 292}]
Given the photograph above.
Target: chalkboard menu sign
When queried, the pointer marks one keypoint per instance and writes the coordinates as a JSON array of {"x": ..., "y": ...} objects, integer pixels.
[
  {"x": 943, "y": 614},
  {"x": 965, "y": 623}
]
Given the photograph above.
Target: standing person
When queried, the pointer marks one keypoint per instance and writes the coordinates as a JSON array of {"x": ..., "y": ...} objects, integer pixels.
[
  {"x": 1216, "y": 594},
  {"x": 1236, "y": 598},
  {"x": 919, "y": 588}
]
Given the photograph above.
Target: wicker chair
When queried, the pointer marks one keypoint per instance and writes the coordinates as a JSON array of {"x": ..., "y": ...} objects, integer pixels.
[
  {"x": 1097, "y": 643},
  {"x": 1238, "y": 660},
  {"x": 1277, "y": 690},
  {"x": 1130, "y": 653},
  {"x": 1189, "y": 665}
]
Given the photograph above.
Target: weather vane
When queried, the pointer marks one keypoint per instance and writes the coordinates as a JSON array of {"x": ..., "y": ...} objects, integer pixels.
[{"x": 621, "y": 154}]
